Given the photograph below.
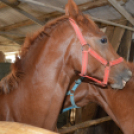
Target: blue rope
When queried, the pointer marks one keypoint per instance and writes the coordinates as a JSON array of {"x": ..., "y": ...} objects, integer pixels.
[{"x": 77, "y": 83}]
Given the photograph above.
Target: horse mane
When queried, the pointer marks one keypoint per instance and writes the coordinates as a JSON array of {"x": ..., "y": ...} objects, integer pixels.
[{"x": 11, "y": 81}]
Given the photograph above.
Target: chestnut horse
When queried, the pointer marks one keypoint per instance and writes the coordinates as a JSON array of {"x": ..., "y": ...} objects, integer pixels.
[
  {"x": 34, "y": 91},
  {"x": 117, "y": 103}
]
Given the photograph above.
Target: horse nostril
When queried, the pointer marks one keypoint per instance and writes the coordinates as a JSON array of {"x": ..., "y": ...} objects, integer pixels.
[{"x": 129, "y": 73}]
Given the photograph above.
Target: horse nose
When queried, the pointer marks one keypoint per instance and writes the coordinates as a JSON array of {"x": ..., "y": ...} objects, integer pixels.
[
  {"x": 127, "y": 74},
  {"x": 122, "y": 79}
]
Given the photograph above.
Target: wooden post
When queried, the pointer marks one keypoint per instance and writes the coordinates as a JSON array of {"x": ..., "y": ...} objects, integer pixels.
[
  {"x": 117, "y": 36},
  {"x": 124, "y": 49},
  {"x": 88, "y": 113},
  {"x": 2, "y": 57},
  {"x": 131, "y": 58},
  {"x": 78, "y": 119},
  {"x": 84, "y": 125},
  {"x": 109, "y": 32}
]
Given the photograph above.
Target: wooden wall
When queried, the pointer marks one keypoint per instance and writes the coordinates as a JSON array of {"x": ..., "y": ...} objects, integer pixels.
[{"x": 2, "y": 57}]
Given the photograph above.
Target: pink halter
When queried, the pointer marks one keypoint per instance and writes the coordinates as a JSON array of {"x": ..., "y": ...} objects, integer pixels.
[{"x": 103, "y": 61}]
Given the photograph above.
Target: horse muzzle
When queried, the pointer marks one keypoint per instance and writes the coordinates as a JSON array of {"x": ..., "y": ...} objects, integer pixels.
[{"x": 122, "y": 79}]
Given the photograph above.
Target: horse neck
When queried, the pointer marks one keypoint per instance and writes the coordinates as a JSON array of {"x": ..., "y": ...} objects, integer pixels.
[
  {"x": 50, "y": 70},
  {"x": 53, "y": 53},
  {"x": 119, "y": 105}
]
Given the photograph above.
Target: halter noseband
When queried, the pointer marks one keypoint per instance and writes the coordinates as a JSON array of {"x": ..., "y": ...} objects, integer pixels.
[{"x": 103, "y": 61}]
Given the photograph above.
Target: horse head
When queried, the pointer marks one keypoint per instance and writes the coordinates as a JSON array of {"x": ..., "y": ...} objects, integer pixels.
[{"x": 99, "y": 59}]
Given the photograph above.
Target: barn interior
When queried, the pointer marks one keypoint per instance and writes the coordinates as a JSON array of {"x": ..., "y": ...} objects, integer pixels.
[{"x": 19, "y": 18}]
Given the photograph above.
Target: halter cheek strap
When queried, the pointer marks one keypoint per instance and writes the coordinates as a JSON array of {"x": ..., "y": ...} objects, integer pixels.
[{"x": 90, "y": 51}]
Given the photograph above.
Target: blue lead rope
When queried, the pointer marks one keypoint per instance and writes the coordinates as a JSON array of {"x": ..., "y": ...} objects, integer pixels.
[{"x": 77, "y": 83}]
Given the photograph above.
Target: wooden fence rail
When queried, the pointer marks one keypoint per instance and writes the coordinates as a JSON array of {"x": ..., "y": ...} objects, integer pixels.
[{"x": 84, "y": 125}]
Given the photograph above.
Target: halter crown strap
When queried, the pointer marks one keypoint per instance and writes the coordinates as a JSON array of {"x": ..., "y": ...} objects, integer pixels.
[{"x": 78, "y": 32}]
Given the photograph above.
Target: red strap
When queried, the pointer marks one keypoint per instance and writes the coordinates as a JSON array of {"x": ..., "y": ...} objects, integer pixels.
[
  {"x": 117, "y": 61},
  {"x": 95, "y": 80},
  {"x": 84, "y": 62},
  {"x": 95, "y": 55},
  {"x": 98, "y": 57},
  {"x": 106, "y": 75},
  {"x": 78, "y": 32},
  {"x": 91, "y": 78}
]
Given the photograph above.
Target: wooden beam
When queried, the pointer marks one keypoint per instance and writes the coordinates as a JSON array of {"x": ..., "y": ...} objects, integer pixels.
[
  {"x": 84, "y": 125},
  {"x": 93, "y": 4},
  {"x": 29, "y": 16},
  {"x": 53, "y": 15},
  {"x": 49, "y": 16},
  {"x": 117, "y": 36},
  {"x": 112, "y": 23},
  {"x": 11, "y": 39},
  {"x": 122, "y": 11},
  {"x": 44, "y": 5},
  {"x": 78, "y": 119},
  {"x": 9, "y": 48},
  {"x": 83, "y": 7},
  {"x": 12, "y": 34},
  {"x": 44, "y": 18},
  {"x": 125, "y": 46},
  {"x": 131, "y": 58}
]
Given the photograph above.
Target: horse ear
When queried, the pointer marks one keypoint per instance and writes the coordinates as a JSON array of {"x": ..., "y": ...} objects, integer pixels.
[{"x": 72, "y": 9}]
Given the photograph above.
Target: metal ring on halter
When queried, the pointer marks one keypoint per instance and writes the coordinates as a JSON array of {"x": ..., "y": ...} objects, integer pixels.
[{"x": 84, "y": 45}]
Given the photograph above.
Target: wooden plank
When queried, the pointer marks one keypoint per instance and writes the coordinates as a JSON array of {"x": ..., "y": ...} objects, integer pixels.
[
  {"x": 84, "y": 125},
  {"x": 88, "y": 113},
  {"x": 83, "y": 7},
  {"x": 117, "y": 36},
  {"x": 29, "y": 16},
  {"x": 131, "y": 58},
  {"x": 78, "y": 119},
  {"x": 44, "y": 18},
  {"x": 124, "y": 49},
  {"x": 2, "y": 57},
  {"x": 92, "y": 4},
  {"x": 12, "y": 34},
  {"x": 9, "y": 48},
  {"x": 109, "y": 32},
  {"x": 112, "y": 23},
  {"x": 122, "y": 11},
  {"x": 49, "y": 16},
  {"x": 11, "y": 39},
  {"x": 44, "y": 5}
]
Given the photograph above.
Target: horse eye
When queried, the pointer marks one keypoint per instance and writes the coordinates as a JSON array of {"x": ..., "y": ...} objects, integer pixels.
[{"x": 104, "y": 40}]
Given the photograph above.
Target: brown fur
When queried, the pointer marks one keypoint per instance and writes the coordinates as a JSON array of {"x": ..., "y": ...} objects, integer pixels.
[
  {"x": 117, "y": 103},
  {"x": 11, "y": 81},
  {"x": 41, "y": 76}
]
